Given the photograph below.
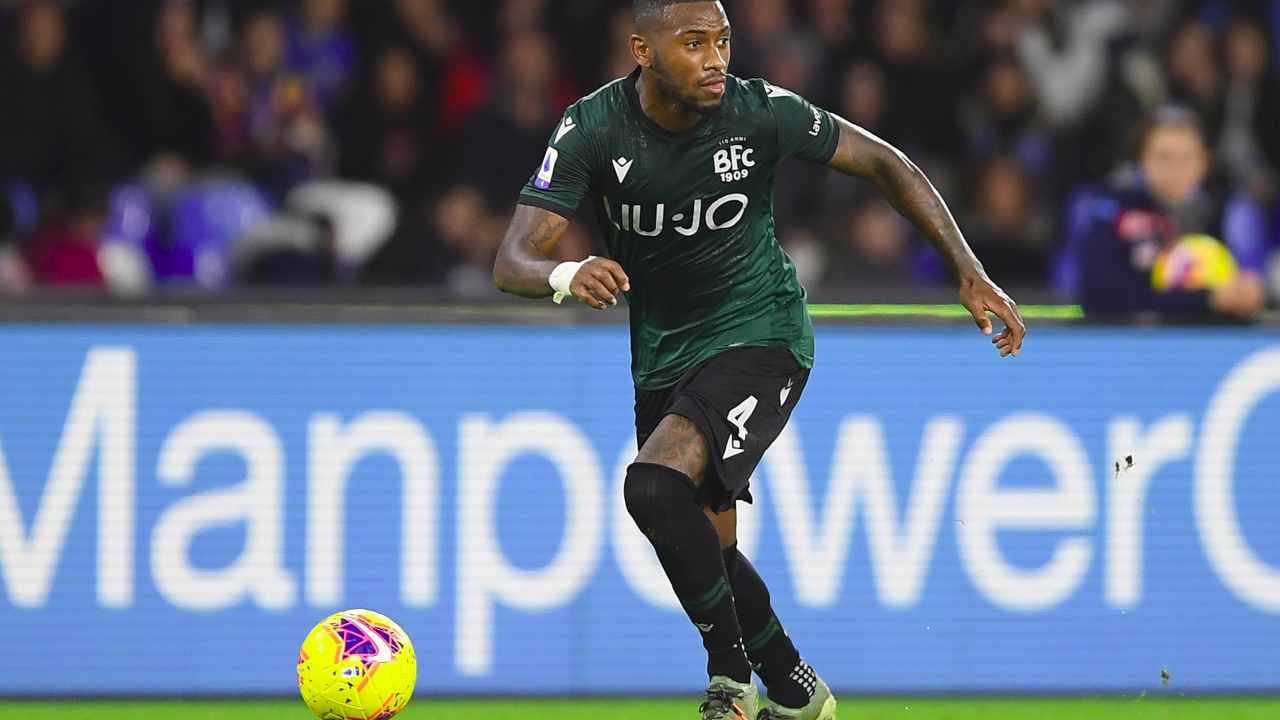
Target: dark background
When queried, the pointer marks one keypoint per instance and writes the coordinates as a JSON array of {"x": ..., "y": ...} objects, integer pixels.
[{"x": 151, "y": 147}]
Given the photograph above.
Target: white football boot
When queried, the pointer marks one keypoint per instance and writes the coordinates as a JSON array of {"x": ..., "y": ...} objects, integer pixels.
[{"x": 821, "y": 707}]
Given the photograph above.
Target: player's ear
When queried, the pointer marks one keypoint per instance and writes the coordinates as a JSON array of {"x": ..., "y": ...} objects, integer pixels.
[{"x": 641, "y": 51}]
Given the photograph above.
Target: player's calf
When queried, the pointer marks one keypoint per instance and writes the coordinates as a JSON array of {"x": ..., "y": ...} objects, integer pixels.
[
  {"x": 664, "y": 506},
  {"x": 789, "y": 679}
]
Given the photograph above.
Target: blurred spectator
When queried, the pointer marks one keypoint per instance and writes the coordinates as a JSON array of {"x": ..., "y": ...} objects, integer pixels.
[
  {"x": 1152, "y": 20},
  {"x": 1087, "y": 82},
  {"x": 921, "y": 92},
  {"x": 836, "y": 27},
  {"x": 1195, "y": 75},
  {"x": 508, "y": 136},
  {"x": 1004, "y": 225},
  {"x": 984, "y": 30},
  {"x": 758, "y": 26},
  {"x": 390, "y": 133},
  {"x": 288, "y": 251},
  {"x": 50, "y": 131},
  {"x": 791, "y": 63},
  {"x": 1003, "y": 117},
  {"x": 863, "y": 101},
  {"x": 1070, "y": 75},
  {"x": 466, "y": 228},
  {"x": 64, "y": 251},
  {"x": 429, "y": 27},
  {"x": 835, "y": 30},
  {"x": 874, "y": 247},
  {"x": 177, "y": 116},
  {"x": 1148, "y": 215},
  {"x": 1251, "y": 116},
  {"x": 521, "y": 16},
  {"x": 451, "y": 243},
  {"x": 273, "y": 126},
  {"x": 322, "y": 50},
  {"x": 413, "y": 257},
  {"x": 1013, "y": 107},
  {"x": 204, "y": 221}
]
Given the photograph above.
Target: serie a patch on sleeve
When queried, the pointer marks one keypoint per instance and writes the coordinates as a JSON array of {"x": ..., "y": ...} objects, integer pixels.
[{"x": 548, "y": 169}]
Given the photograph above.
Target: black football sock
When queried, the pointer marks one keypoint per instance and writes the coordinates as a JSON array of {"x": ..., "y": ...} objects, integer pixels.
[
  {"x": 663, "y": 503},
  {"x": 790, "y": 680}
]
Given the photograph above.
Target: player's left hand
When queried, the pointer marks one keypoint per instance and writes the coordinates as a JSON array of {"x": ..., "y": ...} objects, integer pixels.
[{"x": 979, "y": 296}]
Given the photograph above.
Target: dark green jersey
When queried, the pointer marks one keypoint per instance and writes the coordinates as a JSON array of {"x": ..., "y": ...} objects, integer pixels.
[{"x": 690, "y": 218}]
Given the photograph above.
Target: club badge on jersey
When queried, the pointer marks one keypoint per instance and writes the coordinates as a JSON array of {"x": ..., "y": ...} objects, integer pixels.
[{"x": 734, "y": 163}]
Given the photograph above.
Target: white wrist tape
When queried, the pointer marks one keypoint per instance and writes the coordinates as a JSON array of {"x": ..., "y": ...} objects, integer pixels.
[{"x": 562, "y": 277}]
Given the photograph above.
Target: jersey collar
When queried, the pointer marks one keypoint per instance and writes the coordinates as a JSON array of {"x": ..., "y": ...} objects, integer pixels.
[{"x": 633, "y": 98}]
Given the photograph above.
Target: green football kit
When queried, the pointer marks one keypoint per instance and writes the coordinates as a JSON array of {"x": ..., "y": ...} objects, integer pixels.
[{"x": 689, "y": 217}]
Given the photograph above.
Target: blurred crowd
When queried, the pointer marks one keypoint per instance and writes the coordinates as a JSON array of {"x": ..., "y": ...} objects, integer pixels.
[{"x": 148, "y": 145}]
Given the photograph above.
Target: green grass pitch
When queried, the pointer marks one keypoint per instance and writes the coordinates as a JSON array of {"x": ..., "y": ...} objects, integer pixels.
[{"x": 1163, "y": 708}]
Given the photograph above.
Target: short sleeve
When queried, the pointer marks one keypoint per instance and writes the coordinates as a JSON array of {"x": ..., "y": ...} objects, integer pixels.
[
  {"x": 564, "y": 177},
  {"x": 805, "y": 130}
]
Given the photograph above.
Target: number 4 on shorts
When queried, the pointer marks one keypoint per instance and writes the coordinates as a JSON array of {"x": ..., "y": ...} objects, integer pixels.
[{"x": 739, "y": 416}]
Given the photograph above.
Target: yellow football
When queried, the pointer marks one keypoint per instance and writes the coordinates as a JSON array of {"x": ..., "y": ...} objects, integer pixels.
[
  {"x": 356, "y": 665},
  {"x": 1194, "y": 262}
]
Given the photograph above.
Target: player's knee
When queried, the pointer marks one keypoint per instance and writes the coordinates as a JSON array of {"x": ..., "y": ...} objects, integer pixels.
[{"x": 652, "y": 491}]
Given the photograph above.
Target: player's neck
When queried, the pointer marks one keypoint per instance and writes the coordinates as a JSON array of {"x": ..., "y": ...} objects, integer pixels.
[{"x": 665, "y": 112}]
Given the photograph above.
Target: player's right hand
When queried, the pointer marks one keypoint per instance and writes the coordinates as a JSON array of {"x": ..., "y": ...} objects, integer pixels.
[{"x": 598, "y": 283}]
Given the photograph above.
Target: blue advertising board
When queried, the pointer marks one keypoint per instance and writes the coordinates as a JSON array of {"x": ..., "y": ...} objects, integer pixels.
[{"x": 178, "y": 505}]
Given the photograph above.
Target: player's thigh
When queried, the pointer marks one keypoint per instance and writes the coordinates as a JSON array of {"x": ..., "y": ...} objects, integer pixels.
[
  {"x": 726, "y": 525},
  {"x": 678, "y": 444}
]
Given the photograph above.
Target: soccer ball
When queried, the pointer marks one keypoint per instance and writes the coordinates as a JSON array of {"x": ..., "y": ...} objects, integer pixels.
[
  {"x": 356, "y": 665},
  {"x": 1194, "y": 262}
]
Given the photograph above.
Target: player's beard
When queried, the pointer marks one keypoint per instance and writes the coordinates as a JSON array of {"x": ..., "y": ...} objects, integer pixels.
[{"x": 670, "y": 89}]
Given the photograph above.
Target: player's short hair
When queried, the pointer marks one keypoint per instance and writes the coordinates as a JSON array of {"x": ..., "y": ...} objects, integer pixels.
[{"x": 645, "y": 11}]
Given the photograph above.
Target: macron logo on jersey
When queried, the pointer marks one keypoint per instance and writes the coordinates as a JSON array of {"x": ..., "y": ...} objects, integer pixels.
[
  {"x": 621, "y": 167},
  {"x": 566, "y": 127},
  {"x": 548, "y": 169}
]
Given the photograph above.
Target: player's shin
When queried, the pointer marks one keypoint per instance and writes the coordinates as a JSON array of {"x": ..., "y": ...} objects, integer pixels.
[
  {"x": 790, "y": 681},
  {"x": 663, "y": 504}
]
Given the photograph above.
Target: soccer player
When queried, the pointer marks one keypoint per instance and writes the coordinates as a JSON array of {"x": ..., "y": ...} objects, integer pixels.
[{"x": 678, "y": 161}]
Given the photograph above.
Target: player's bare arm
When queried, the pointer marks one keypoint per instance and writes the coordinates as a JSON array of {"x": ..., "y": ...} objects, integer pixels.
[
  {"x": 524, "y": 264},
  {"x": 863, "y": 154}
]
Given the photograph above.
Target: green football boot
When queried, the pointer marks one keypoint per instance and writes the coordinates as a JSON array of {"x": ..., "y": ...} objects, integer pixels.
[
  {"x": 821, "y": 707},
  {"x": 729, "y": 700}
]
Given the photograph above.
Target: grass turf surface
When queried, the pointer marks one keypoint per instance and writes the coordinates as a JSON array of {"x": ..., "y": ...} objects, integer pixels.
[{"x": 1164, "y": 708}]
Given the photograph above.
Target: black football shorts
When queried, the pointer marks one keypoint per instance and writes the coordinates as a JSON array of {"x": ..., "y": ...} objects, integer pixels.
[{"x": 740, "y": 400}]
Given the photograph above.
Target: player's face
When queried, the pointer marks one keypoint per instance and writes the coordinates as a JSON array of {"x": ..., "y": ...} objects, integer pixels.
[
  {"x": 1174, "y": 162},
  {"x": 689, "y": 54}
]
